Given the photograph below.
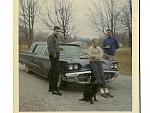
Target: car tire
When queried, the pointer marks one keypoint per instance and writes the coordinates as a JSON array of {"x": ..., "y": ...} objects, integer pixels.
[
  {"x": 27, "y": 69},
  {"x": 63, "y": 84}
]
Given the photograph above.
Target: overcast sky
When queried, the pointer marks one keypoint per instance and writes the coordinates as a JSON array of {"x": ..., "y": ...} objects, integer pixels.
[{"x": 80, "y": 11}]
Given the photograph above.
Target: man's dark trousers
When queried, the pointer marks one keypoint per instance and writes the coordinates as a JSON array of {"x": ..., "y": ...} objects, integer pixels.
[{"x": 53, "y": 74}]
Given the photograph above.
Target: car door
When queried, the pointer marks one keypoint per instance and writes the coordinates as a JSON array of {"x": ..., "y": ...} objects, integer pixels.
[
  {"x": 37, "y": 59},
  {"x": 45, "y": 63}
]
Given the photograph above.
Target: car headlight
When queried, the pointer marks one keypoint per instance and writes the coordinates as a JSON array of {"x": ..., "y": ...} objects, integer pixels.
[
  {"x": 114, "y": 66},
  {"x": 75, "y": 66},
  {"x": 70, "y": 67}
]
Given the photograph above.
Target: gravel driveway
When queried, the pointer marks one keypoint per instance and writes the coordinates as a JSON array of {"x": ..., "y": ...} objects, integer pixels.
[{"x": 34, "y": 95}]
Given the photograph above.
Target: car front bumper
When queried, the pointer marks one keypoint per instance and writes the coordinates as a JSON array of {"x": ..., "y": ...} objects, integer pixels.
[{"x": 84, "y": 76}]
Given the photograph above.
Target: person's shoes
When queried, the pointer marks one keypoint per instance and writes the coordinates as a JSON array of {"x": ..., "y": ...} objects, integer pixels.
[
  {"x": 56, "y": 93},
  {"x": 82, "y": 99},
  {"x": 91, "y": 102},
  {"x": 104, "y": 95},
  {"x": 109, "y": 94},
  {"x": 50, "y": 90}
]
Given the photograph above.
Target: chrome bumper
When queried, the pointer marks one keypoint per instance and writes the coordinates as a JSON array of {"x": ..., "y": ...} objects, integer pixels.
[
  {"x": 77, "y": 76},
  {"x": 73, "y": 77},
  {"x": 109, "y": 73}
]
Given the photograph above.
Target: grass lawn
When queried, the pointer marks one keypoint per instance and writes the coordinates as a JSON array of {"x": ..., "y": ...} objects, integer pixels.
[{"x": 123, "y": 56}]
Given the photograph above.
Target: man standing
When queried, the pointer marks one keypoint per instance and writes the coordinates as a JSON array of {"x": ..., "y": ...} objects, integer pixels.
[
  {"x": 53, "y": 48},
  {"x": 110, "y": 44}
]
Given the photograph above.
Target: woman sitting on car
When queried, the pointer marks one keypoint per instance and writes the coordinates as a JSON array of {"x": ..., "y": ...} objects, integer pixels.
[{"x": 95, "y": 55}]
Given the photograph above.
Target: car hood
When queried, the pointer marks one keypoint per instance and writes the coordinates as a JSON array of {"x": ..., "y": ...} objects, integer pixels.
[{"x": 84, "y": 62}]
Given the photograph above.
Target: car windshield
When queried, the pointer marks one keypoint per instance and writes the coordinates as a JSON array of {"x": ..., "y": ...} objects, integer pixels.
[{"x": 70, "y": 51}]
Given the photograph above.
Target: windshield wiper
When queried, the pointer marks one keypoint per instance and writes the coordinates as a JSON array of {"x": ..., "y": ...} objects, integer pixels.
[{"x": 84, "y": 57}]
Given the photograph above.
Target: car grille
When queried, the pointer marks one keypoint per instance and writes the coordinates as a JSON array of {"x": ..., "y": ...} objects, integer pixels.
[
  {"x": 71, "y": 77},
  {"x": 109, "y": 75},
  {"x": 83, "y": 77}
]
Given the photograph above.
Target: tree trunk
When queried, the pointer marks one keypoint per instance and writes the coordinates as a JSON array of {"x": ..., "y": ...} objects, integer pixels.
[{"x": 130, "y": 40}]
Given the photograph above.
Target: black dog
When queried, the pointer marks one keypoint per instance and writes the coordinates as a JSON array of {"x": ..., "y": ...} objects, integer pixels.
[{"x": 90, "y": 91}]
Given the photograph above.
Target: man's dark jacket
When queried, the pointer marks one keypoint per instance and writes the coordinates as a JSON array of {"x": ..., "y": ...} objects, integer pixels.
[
  {"x": 53, "y": 45},
  {"x": 113, "y": 43}
]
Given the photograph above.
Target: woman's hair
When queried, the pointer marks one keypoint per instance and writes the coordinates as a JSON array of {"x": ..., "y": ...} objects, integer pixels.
[{"x": 94, "y": 39}]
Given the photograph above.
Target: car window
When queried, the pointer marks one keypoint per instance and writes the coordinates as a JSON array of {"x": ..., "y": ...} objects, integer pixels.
[{"x": 40, "y": 48}]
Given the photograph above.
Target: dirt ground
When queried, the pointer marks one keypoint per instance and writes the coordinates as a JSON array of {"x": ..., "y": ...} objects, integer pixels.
[{"x": 34, "y": 95}]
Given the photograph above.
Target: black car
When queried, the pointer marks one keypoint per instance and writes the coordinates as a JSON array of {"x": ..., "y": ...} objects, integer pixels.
[{"x": 73, "y": 64}]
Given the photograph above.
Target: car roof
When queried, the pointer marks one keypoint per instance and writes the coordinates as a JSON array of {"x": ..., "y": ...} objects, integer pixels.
[{"x": 59, "y": 43}]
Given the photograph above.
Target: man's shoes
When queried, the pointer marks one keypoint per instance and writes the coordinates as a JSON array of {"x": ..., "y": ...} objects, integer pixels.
[
  {"x": 109, "y": 94},
  {"x": 91, "y": 102},
  {"x": 59, "y": 93},
  {"x": 50, "y": 90},
  {"x": 82, "y": 99},
  {"x": 104, "y": 95},
  {"x": 56, "y": 93}
]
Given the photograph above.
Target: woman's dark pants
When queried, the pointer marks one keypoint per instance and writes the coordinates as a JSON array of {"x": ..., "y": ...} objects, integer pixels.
[{"x": 97, "y": 70}]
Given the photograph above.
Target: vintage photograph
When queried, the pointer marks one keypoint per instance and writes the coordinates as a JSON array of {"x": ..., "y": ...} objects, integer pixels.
[{"x": 76, "y": 55}]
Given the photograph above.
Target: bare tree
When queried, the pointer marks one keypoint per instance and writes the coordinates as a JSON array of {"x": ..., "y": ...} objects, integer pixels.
[
  {"x": 27, "y": 14},
  {"x": 104, "y": 15},
  {"x": 126, "y": 21},
  {"x": 59, "y": 14}
]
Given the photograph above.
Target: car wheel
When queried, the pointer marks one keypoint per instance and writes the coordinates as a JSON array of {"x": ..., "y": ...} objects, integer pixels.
[
  {"x": 63, "y": 84},
  {"x": 27, "y": 69}
]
